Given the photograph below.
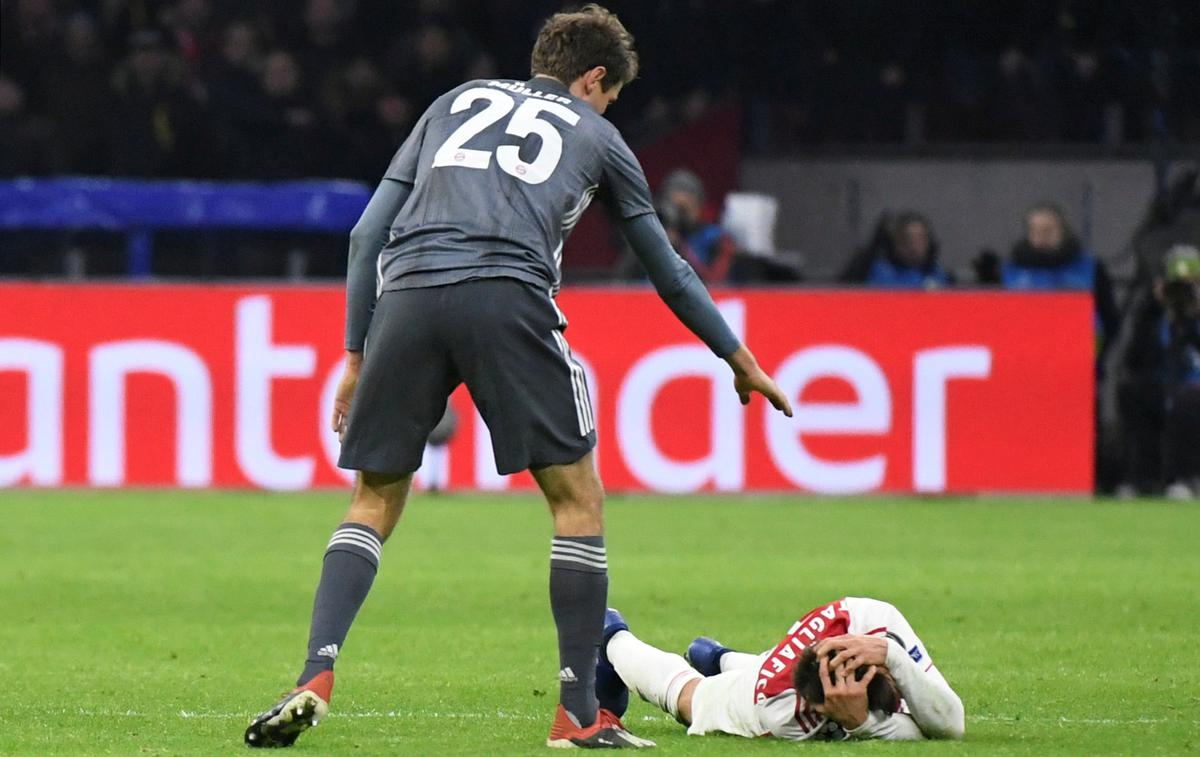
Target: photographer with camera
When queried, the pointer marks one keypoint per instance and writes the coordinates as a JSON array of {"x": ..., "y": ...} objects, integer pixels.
[
  {"x": 706, "y": 246},
  {"x": 1160, "y": 400}
]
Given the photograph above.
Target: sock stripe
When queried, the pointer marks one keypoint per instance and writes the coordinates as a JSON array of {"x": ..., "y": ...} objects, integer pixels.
[
  {"x": 600, "y": 560},
  {"x": 599, "y": 550},
  {"x": 364, "y": 541},
  {"x": 599, "y": 554},
  {"x": 559, "y": 559},
  {"x": 347, "y": 539},
  {"x": 356, "y": 536},
  {"x": 357, "y": 529},
  {"x": 372, "y": 547},
  {"x": 355, "y": 548},
  {"x": 598, "y": 567}
]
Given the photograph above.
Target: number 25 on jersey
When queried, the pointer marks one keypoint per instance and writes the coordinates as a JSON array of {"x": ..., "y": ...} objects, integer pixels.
[{"x": 525, "y": 121}]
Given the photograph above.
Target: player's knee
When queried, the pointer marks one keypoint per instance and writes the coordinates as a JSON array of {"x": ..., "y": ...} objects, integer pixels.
[
  {"x": 578, "y": 515},
  {"x": 590, "y": 503},
  {"x": 578, "y": 495}
]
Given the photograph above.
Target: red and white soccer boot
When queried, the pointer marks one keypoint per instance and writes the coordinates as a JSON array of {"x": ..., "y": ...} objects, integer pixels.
[
  {"x": 606, "y": 733},
  {"x": 300, "y": 709}
]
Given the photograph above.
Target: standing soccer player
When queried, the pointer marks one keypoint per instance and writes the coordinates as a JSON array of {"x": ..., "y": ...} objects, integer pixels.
[{"x": 454, "y": 267}]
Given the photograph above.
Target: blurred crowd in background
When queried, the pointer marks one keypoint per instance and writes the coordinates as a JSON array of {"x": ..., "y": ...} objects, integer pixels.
[
  {"x": 283, "y": 89},
  {"x": 291, "y": 88}
]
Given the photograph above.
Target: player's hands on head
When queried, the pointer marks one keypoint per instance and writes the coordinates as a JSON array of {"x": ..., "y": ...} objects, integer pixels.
[
  {"x": 853, "y": 651},
  {"x": 345, "y": 393},
  {"x": 845, "y": 698},
  {"x": 749, "y": 378}
]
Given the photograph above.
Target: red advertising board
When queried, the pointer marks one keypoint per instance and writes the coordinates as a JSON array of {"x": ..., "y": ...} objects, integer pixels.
[{"x": 232, "y": 386}]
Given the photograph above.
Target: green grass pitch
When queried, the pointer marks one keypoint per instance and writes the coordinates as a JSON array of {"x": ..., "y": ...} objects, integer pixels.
[{"x": 159, "y": 622}]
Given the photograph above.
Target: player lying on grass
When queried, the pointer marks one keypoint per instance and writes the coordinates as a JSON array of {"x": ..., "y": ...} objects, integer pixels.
[{"x": 853, "y": 668}]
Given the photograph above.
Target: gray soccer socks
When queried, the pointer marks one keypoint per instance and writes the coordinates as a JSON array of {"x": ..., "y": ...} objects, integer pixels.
[
  {"x": 578, "y": 596},
  {"x": 351, "y": 560}
]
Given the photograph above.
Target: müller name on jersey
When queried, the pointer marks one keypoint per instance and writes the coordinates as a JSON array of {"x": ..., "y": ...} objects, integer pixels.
[{"x": 521, "y": 89}]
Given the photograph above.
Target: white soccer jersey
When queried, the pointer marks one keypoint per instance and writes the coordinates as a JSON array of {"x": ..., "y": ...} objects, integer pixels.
[{"x": 757, "y": 697}]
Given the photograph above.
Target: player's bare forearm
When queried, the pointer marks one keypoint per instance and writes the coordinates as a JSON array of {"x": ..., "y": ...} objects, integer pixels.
[{"x": 748, "y": 378}]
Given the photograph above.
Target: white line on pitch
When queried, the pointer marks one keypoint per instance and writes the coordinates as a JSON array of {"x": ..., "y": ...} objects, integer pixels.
[{"x": 503, "y": 715}]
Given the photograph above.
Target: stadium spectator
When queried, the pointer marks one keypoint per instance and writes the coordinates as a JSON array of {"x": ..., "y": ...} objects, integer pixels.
[
  {"x": 709, "y": 250},
  {"x": 704, "y": 244},
  {"x": 370, "y": 131},
  {"x": 1051, "y": 257},
  {"x": 157, "y": 127},
  {"x": 1083, "y": 92},
  {"x": 25, "y": 149},
  {"x": 288, "y": 142},
  {"x": 235, "y": 96},
  {"x": 1023, "y": 107},
  {"x": 78, "y": 94},
  {"x": 903, "y": 254},
  {"x": 1160, "y": 398},
  {"x": 429, "y": 61},
  {"x": 29, "y": 45},
  {"x": 196, "y": 36},
  {"x": 326, "y": 43},
  {"x": 1037, "y": 72}
]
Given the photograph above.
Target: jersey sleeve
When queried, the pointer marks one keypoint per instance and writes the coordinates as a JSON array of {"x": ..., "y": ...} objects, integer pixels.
[
  {"x": 928, "y": 698},
  {"x": 626, "y": 190},
  {"x": 404, "y": 163},
  {"x": 895, "y": 726},
  {"x": 932, "y": 704},
  {"x": 367, "y": 238}
]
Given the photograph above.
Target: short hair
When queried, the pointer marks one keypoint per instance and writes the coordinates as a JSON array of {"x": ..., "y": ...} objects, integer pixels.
[
  {"x": 905, "y": 217},
  {"x": 571, "y": 44},
  {"x": 1052, "y": 209},
  {"x": 683, "y": 180},
  {"x": 806, "y": 679}
]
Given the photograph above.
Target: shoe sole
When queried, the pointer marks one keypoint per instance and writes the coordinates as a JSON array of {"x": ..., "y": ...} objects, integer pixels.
[
  {"x": 302, "y": 712},
  {"x": 632, "y": 742}
]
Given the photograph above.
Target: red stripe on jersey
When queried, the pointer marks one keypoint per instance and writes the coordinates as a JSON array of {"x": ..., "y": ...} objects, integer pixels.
[{"x": 775, "y": 676}]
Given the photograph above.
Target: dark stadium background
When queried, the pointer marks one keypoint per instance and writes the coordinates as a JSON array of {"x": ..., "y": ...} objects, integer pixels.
[{"x": 848, "y": 114}]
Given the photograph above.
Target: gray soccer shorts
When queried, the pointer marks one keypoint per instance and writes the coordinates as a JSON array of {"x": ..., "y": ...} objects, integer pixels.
[{"x": 504, "y": 339}]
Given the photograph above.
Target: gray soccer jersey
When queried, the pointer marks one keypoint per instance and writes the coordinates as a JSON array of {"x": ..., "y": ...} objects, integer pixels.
[{"x": 501, "y": 172}]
